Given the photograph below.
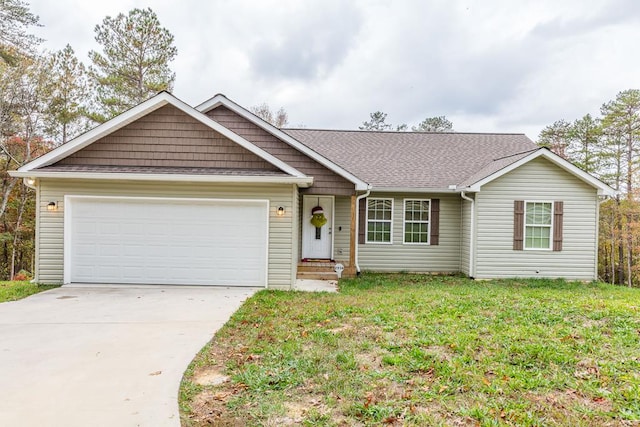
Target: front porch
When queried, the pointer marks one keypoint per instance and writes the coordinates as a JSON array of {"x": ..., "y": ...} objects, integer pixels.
[{"x": 334, "y": 242}]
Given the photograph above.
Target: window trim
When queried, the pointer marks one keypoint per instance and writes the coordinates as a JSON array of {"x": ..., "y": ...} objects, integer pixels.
[
  {"x": 404, "y": 223},
  {"x": 524, "y": 226},
  {"x": 366, "y": 230}
]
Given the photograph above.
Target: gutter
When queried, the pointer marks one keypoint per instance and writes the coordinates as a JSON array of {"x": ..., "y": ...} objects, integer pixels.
[
  {"x": 360, "y": 197},
  {"x": 471, "y": 231},
  {"x": 303, "y": 182}
]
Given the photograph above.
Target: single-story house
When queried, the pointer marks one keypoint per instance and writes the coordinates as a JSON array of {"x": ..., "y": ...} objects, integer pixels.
[{"x": 170, "y": 194}]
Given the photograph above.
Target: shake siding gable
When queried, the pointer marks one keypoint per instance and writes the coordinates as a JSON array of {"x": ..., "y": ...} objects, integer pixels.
[
  {"x": 443, "y": 257},
  {"x": 167, "y": 137},
  {"x": 539, "y": 179},
  {"x": 325, "y": 182},
  {"x": 281, "y": 243}
]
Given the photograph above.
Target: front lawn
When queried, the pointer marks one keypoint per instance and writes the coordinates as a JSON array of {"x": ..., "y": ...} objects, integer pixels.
[
  {"x": 15, "y": 290},
  {"x": 420, "y": 350}
]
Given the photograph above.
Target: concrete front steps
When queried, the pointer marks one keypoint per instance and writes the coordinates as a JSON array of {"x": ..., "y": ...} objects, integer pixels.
[
  {"x": 317, "y": 270},
  {"x": 321, "y": 270}
]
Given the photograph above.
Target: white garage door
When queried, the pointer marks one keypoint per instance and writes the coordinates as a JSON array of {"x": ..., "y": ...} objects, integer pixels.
[{"x": 160, "y": 241}]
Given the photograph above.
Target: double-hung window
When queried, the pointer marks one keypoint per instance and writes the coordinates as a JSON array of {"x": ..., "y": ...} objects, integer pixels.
[
  {"x": 538, "y": 223},
  {"x": 379, "y": 220},
  {"x": 416, "y": 221}
]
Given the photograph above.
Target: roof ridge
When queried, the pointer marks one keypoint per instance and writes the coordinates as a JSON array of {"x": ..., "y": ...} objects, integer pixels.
[
  {"x": 400, "y": 132},
  {"x": 516, "y": 154}
]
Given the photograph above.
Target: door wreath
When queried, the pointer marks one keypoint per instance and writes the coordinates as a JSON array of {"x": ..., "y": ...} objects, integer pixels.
[{"x": 318, "y": 219}]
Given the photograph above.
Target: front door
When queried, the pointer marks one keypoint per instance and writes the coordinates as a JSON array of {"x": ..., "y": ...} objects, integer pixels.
[{"x": 317, "y": 242}]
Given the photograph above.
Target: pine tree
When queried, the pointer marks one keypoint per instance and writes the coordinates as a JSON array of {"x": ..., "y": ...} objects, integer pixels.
[
  {"x": 134, "y": 63},
  {"x": 69, "y": 90}
]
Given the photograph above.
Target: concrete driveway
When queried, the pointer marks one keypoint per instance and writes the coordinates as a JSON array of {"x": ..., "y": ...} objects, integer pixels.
[{"x": 104, "y": 356}]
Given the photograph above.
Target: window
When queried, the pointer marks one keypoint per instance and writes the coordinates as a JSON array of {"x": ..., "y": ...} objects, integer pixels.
[
  {"x": 538, "y": 220},
  {"x": 379, "y": 220},
  {"x": 416, "y": 221}
]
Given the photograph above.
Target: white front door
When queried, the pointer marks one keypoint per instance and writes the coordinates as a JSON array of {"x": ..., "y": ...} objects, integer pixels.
[{"x": 317, "y": 243}]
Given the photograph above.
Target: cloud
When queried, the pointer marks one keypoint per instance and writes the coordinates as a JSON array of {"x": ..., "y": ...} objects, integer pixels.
[
  {"x": 312, "y": 39},
  {"x": 585, "y": 20}
]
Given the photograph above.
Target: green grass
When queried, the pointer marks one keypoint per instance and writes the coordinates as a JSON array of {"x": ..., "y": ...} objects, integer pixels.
[
  {"x": 420, "y": 350},
  {"x": 14, "y": 290}
]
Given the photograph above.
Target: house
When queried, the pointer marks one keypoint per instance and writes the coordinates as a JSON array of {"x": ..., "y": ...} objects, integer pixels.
[{"x": 170, "y": 194}]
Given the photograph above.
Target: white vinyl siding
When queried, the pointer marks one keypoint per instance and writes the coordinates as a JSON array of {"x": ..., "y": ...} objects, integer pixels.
[
  {"x": 538, "y": 180},
  {"x": 416, "y": 221},
  {"x": 538, "y": 225},
  {"x": 465, "y": 236},
  {"x": 395, "y": 257},
  {"x": 50, "y": 248},
  {"x": 379, "y": 221},
  {"x": 342, "y": 229}
]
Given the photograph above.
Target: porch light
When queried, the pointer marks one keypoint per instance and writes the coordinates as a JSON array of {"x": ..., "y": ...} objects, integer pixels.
[
  {"x": 31, "y": 181},
  {"x": 280, "y": 211},
  {"x": 52, "y": 206}
]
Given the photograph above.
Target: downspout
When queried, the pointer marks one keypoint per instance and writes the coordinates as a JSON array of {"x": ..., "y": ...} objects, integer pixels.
[
  {"x": 597, "y": 246},
  {"x": 360, "y": 197},
  {"x": 471, "y": 231}
]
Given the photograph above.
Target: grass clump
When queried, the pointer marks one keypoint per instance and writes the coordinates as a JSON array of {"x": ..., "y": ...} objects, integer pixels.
[{"x": 15, "y": 290}]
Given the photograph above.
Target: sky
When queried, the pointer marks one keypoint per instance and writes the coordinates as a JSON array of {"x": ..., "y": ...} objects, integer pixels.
[{"x": 488, "y": 65}]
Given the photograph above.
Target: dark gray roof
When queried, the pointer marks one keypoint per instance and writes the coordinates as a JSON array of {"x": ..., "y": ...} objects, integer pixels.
[
  {"x": 431, "y": 160},
  {"x": 160, "y": 170}
]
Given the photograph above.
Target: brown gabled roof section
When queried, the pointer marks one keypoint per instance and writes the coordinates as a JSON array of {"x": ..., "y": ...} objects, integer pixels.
[
  {"x": 428, "y": 160},
  {"x": 325, "y": 180},
  {"x": 167, "y": 138}
]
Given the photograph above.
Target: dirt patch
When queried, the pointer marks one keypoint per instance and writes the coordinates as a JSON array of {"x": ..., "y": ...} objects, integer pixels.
[
  {"x": 208, "y": 408},
  {"x": 440, "y": 352},
  {"x": 587, "y": 369},
  {"x": 209, "y": 377},
  {"x": 368, "y": 360},
  {"x": 341, "y": 329},
  {"x": 591, "y": 323},
  {"x": 568, "y": 399}
]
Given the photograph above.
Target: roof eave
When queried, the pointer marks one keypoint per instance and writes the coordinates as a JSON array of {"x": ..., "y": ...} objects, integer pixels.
[
  {"x": 602, "y": 188},
  {"x": 303, "y": 182},
  {"x": 415, "y": 189}
]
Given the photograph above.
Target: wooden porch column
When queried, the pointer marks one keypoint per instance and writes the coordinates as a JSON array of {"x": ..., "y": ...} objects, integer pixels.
[{"x": 353, "y": 238}]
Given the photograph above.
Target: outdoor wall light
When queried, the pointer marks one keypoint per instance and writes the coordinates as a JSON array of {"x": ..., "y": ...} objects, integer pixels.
[
  {"x": 52, "y": 206},
  {"x": 31, "y": 181},
  {"x": 280, "y": 211}
]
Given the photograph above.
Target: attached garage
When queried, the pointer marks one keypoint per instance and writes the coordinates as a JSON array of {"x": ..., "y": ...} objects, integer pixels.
[{"x": 173, "y": 241}]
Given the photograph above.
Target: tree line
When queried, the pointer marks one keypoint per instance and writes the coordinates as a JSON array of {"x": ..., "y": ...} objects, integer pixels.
[
  {"x": 608, "y": 147},
  {"x": 47, "y": 98}
]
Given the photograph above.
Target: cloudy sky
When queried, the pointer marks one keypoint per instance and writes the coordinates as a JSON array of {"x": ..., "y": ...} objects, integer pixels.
[{"x": 488, "y": 65}]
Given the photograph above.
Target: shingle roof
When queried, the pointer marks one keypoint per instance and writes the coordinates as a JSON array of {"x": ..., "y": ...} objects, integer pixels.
[{"x": 417, "y": 159}]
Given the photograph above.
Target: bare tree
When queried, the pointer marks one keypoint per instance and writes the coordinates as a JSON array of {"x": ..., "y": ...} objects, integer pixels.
[{"x": 278, "y": 119}]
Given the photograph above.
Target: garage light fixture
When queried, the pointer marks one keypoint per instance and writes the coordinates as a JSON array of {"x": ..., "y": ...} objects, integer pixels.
[
  {"x": 280, "y": 211},
  {"x": 52, "y": 206}
]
